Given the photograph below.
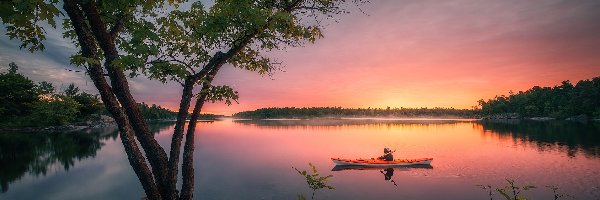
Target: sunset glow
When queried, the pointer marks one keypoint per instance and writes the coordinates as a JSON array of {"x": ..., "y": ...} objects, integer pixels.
[{"x": 398, "y": 54}]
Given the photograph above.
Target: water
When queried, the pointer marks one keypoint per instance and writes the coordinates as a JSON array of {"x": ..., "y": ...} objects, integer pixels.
[{"x": 254, "y": 160}]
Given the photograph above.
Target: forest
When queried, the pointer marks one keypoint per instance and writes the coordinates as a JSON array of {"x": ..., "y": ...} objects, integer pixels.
[
  {"x": 562, "y": 101},
  {"x": 157, "y": 112},
  {"x": 24, "y": 103},
  {"x": 310, "y": 112}
]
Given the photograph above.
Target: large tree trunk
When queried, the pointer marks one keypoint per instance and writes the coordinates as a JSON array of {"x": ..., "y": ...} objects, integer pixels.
[
  {"x": 88, "y": 48},
  {"x": 184, "y": 105},
  {"x": 207, "y": 72},
  {"x": 155, "y": 153},
  {"x": 187, "y": 190},
  {"x": 187, "y": 167}
]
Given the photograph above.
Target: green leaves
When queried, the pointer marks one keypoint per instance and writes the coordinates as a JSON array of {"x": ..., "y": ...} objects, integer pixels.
[
  {"x": 250, "y": 59},
  {"x": 187, "y": 38},
  {"x": 220, "y": 93},
  {"x": 510, "y": 191},
  {"x": 314, "y": 180},
  {"x": 22, "y": 20},
  {"x": 79, "y": 60}
]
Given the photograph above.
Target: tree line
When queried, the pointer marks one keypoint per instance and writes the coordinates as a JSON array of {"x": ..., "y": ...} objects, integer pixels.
[
  {"x": 309, "y": 112},
  {"x": 157, "y": 112},
  {"x": 24, "y": 103},
  {"x": 560, "y": 102},
  {"x": 563, "y": 101}
]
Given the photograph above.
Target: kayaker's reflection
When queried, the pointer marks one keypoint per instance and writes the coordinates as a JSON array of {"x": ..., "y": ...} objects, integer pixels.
[{"x": 387, "y": 175}]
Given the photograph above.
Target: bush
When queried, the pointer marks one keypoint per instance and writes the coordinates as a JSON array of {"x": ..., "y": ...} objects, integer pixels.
[{"x": 56, "y": 112}]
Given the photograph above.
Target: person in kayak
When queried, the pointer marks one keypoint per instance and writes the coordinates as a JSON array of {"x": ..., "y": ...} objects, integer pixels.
[{"x": 387, "y": 155}]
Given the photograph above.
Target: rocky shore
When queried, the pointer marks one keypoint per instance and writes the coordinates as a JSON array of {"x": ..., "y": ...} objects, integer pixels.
[
  {"x": 516, "y": 116},
  {"x": 101, "y": 122}
]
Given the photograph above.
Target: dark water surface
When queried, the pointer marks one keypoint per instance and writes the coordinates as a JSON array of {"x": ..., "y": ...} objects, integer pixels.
[{"x": 254, "y": 160}]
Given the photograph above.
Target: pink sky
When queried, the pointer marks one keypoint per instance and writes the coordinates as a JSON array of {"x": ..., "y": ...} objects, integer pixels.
[{"x": 416, "y": 53}]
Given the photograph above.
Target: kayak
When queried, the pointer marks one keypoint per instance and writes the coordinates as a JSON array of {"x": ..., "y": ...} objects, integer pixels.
[
  {"x": 379, "y": 168},
  {"x": 382, "y": 163}
]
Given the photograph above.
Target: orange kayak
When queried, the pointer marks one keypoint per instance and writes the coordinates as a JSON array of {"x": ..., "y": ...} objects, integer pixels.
[
  {"x": 382, "y": 163},
  {"x": 379, "y": 168}
]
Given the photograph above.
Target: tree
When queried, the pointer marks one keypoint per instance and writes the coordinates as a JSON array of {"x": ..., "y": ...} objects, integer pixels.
[
  {"x": 45, "y": 88},
  {"x": 59, "y": 111},
  {"x": 561, "y": 101},
  {"x": 17, "y": 94},
  {"x": 185, "y": 45},
  {"x": 71, "y": 90},
  {"x": 90, "y": 104}
]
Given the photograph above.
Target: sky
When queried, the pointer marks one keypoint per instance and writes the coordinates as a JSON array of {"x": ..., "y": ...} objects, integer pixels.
[{"x": 398, "y": 53}]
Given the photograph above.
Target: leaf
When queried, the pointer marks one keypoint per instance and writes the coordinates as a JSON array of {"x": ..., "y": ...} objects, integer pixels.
[{"x": 503, "y": 193}]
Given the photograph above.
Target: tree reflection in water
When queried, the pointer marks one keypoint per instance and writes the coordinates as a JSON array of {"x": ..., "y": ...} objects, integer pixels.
[
  {"x": 36, "y": 153},
  {"x": 564, "y": 135}
]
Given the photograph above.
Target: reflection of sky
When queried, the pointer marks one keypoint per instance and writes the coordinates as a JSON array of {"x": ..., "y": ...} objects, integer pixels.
[
  {"x": 241, "y": 161},
  {"x": 409, "y": 53}
]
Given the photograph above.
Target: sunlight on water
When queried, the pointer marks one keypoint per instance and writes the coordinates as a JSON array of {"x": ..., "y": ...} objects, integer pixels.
[{"x": 253, "y": 159}]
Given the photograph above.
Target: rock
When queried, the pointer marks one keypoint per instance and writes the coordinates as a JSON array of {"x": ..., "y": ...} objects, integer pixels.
[
  {"x": 541, "y": 118},
  {"x": 503, "y": 116},
  {"x": 580, "y": 118},
  {"x": 106, "y": 119}
]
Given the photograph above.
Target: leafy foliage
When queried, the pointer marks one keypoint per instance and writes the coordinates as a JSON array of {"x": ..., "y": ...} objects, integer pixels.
[
  {"x": 22, "y": 20},
  {"x": 513, "y": 191},
  {"x": 315, "y": 181},
  {"x": 17, "y": 94},
  {"x": 155, "y": 112},
  {"x": 182, "y": 42},
  {"x": 561, "y": 101},
  {"x": 59, "y": 111},
  {"x": 24, "y": 103},
  {"x": 558, "y": 195},
  {"x": 221, "y": 93}
]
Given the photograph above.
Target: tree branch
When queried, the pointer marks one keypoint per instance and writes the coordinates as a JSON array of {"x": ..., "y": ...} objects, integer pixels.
[{"x": 118, "y": 27}]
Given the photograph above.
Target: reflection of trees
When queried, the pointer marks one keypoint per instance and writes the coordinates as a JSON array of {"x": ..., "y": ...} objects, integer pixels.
[
  {"x": 572, "y": 135},
  {"x": 35, "y": 153},
  {"x": 22, "y": 153},
  {"x": 156, "y": 127},
  {"x": 337, "y": 123}
]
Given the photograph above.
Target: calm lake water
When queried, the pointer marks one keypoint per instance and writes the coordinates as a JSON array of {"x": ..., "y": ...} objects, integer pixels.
[{"x": 254, "y": 160}]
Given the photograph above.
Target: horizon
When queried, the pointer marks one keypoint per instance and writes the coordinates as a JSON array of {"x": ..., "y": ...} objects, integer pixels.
[{"x": 399, "y": 54}]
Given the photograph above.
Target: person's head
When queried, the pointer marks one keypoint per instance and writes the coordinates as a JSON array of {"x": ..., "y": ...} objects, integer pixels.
[{"x": 386, "y": 150}]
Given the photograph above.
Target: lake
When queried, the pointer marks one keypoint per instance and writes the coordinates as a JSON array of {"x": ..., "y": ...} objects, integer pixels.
[{"x": 255, "y": 159}]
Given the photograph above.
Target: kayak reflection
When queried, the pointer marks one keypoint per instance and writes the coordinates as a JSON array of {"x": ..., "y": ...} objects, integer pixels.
[
  {"x": 388, "y": 172},
  {"x": 360, "y": 167}
]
